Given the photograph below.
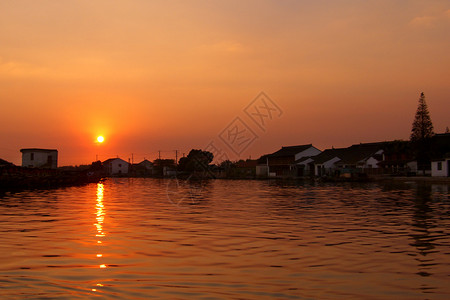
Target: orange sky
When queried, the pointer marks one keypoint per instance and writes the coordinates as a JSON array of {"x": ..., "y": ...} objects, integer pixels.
[{"x": 166, "y": 75}]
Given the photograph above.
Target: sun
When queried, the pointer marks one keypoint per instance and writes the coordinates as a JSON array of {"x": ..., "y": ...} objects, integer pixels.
[{"x": 100, "y": 139}]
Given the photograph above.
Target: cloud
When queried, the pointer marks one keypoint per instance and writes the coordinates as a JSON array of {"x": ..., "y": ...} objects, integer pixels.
[
  {"x": 430, "y": 21},
  {"x": 20, "y": 69},
  {"x": 224, "y": 47}
]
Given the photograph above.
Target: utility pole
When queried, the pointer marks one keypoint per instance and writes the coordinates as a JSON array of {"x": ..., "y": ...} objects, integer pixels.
[
  {"x": 159, "y": 154},
  {"x": 132, "y": 158},
  {"x": 176, "y": 157}
]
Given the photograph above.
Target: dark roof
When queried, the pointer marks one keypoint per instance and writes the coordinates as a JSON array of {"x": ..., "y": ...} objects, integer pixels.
[
  {"x": 441, "y": 145},
  {"x": 5, "y": 163},
  {"x": 144, "y": 162},
  {"x": 349, "y": 155},
  {"x": 328, "y": 154},
  {"x": 290, "y": 150},
  {"x": 111, "y": 159},
  {"x": 37, "y": 150},
  {"x": 359, "y": 152}
]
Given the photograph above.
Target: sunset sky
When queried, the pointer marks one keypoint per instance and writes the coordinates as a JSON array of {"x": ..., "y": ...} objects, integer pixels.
[{"x": 172, "y": 75}]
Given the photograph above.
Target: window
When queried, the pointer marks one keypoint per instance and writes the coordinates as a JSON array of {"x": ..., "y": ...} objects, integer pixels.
[
  {"x": 31, "y": 156},
  {"x": 120, "y": 165},
  {"x": 439, "y": 166}
]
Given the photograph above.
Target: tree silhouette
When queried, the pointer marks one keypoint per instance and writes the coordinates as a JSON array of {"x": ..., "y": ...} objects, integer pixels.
[
  {"x": 197, "y": 160},
  {"x": 422, "y": 127},
  {"x": 421, "y": 135}
]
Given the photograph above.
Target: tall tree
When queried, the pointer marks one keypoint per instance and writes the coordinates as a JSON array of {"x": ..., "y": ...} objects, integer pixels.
[
  {"x": 421, "y": 135},
  {"x": 422, "y": 127}
]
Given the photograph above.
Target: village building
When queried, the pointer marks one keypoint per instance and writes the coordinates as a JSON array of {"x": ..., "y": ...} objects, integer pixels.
[
  {"x": 441, "y": 167},
  {"x": 356, "y": 159},
  {"x": 116, "y": 166},
  {"x": 324, "y": 163},
  {"x": 144, "y": 168},
  {"x": 361, "y": 158},
  {"x": 288, "y": 161},
  {"x": 440, "y": 164},
  {"x": 39, "y": 158}
]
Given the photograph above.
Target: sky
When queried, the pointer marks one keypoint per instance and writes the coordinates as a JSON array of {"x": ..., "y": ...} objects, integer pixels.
[{"x": 176, "y": 75}]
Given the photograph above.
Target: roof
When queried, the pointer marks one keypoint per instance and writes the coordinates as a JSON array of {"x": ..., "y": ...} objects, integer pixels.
[
  {"x": 303, "y": 159},
  {"x": 359, "y": 152},
  {"x": 112, "y": 159},
  {"x": 290, "y": 150},
  {"x": 5, "y": 163},
  {"x": 327, "y": 155},
  {"x": 37, "y": 150},
  {"x": 145, "y": 161}
]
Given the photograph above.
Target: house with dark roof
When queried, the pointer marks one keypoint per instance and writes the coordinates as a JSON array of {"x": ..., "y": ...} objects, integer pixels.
[
  {"x": 4, "y": 163},
  {"x": 116, "y": 166},
  {"x": 358, "y": 158},
  {"x": 398, "y": 158},
  {"x": 440, "y": 163},
  {"x": 290, "y": 161},
  {"x": 144, "y": 168},
  {"x": 324, "y": 163},
  {"x": 361, "y": 158},
  {"x": 39, "y": 158}
]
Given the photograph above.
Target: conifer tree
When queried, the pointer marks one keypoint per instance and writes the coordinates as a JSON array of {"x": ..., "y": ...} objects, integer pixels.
[
  {"x": 422, "y": 127},
  {"x": 421, "y": 135}
]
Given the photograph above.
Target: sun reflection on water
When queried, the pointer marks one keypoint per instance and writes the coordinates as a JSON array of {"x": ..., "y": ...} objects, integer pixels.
[{"x": 100, "y": 219}]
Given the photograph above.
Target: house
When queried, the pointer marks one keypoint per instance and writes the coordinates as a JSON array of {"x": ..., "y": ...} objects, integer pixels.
[
  {"x": 39, "y": 158},
  {"x": 324, "y": 163},
  {"x": 289, "y": 161},
  {"x": 441, "y": 167},
  {"x": 262, "y": 168},
  {"x": 116, "y": 166},
  {"x": 246, "y": 168},
  {"x": 144, "y": 168},
  {"x": 358, "y": 158},
  {"x": 361, "y": 158},
  {"x": 4, "y": 163},
  {"x": 398, "y": 158}
]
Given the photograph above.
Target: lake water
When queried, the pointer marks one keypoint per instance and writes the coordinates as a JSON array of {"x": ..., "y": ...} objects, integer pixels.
[{"x": 219, "y": 239}]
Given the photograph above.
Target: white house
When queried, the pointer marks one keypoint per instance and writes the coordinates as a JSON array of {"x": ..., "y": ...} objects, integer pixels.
[
  {"x": 441, "y": 167},
  {"x": 39, "y": 158},
  {"x": 116, "y": 166},
  {"x": 287, "y": 162}
]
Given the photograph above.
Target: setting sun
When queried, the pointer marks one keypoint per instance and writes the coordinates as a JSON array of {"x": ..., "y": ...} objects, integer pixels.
[{"x": 100, "y": 139}]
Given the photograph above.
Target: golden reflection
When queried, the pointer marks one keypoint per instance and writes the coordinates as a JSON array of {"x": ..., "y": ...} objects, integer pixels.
[
  {"x": 100, "y": 219},
  {"x": 100, "y": 212}
]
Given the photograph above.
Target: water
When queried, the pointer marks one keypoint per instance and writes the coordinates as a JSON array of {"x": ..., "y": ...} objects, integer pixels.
[{"x": 150, "y": 238}]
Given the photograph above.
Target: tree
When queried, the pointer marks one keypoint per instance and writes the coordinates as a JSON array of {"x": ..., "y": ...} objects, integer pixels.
[
  {"x": 421, "y": 135},
  {"x": 196, "y": 160},
  {"x": 422, "y": 127}
]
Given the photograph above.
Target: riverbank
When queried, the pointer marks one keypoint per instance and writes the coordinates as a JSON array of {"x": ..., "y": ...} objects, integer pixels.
[{"x": 18, "y": 178}]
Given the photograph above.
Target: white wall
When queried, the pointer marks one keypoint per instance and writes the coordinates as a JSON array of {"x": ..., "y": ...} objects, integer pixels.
[
  {"x": 118, "y": 166},
  {"x": 40, "y": 158},
  {"x": 328, "y": 165},
  {"x": 439, "y": 173},
  {"x": 371, "y": 161}
]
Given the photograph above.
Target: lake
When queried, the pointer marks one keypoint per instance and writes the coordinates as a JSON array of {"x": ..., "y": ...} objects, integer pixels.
[{"x": 146, "y": 238}]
